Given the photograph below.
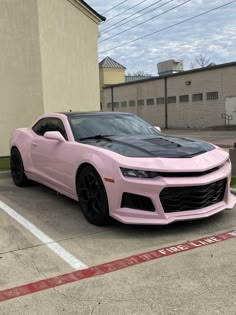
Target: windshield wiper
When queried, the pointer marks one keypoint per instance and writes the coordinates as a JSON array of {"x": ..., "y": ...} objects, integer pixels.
[{"x": 96, "y": 137}]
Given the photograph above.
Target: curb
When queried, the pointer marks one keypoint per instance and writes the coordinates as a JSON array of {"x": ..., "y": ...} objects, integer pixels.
[
  {"x": 5, "y": 174},
  {"x": 224, "y": 146},
  {"x": 233, "y": 190}
]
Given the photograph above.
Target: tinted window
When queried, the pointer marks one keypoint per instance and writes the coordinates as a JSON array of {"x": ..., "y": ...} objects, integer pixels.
[
  {"x": 49, "y": 124},
  {"x": 38, "y": 127},
  {"x": 109, "y": 124}
]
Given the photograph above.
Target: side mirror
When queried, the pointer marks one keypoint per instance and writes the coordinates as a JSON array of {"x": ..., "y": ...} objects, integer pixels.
[
  {"x": 158, "y": 128},
  {"x": 54, "y": 135}
]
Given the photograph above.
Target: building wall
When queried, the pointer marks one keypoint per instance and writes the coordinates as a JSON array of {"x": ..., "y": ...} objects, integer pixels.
[
  {"x": 48, "y": 61},
  {"x": 111, "y": 76},
  {"x": 20, "y": 71},
  {"x": 198, "y": 114},
  {"x": 194, "y": 114},
  {"x": 128, "y": 98},
  {"x": 68, "y": 40}
]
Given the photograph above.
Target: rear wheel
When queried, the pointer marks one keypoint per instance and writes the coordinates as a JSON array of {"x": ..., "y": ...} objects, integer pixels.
[
  {"x": 17, "y": 169},
  {"x": 92, "y": 197}
]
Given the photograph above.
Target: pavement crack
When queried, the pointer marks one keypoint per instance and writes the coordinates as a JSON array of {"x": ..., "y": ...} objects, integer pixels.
[
  {"x": 49, "y": 243},
  {"x": 58, "y": 292},
  {"x": 26, "y": 265},
  {"x": 95, "y": 306}
]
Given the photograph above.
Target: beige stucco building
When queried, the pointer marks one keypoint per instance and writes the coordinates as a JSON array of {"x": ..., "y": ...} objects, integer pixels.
[
  {"x": 189, "y": 99},
  {"x": 48, "y": 61}
]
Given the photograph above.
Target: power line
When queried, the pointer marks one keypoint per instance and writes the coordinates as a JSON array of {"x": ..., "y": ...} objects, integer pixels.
[
  {"x": 115, "y": 6},
  {"x": 170, "y": 26},
  {"x": 119, "y": 14},
  {"x": 111, "y": 26},
  {"x": 162, "y": 5},
  {"x": 130, "y": 28}
]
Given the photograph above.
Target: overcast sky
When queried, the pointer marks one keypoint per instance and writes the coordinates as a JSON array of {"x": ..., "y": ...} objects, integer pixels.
[{"x": 212, "y": 35}]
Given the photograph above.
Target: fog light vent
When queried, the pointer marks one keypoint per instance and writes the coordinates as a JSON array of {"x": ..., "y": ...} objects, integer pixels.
[{"x": 138, "y": 202}]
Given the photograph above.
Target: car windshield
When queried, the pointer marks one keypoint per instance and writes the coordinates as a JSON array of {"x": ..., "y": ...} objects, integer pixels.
[{"x": 86, "y": 126}]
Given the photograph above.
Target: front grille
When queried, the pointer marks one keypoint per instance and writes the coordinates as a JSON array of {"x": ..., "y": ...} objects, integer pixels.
[{"x": 175, "y": 199}]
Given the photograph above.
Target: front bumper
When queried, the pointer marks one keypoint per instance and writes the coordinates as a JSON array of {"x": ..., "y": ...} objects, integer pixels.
[{"x": 151, "y": 188}]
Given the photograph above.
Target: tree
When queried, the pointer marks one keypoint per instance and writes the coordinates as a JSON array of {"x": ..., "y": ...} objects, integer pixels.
[
  {"x": 200, "y": 62},
  {"x": 139, "y": 73}
]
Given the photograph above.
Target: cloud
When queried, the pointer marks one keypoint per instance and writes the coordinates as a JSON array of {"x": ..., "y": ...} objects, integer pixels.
[{"x": 212, "y": 35}]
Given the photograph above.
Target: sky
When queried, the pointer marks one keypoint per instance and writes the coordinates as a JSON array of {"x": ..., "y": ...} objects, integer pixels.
[{"x": 212, "y": 34}]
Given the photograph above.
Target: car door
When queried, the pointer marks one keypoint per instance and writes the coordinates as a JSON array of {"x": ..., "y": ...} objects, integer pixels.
[{"x": 48, "y": 156}]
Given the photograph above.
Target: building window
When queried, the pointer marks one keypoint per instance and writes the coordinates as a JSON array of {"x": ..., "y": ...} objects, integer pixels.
[
  {"x": 140, "y": 102},
  {"x": 171, "y": 99},
  {"x": 131, "y": 103},
  {"x": 124, "y": 104},
  {"x": 212, "y": 96},
  {"x": 160, "y": 100},
  {"x": 150, "y": 101},
  {"x": 115, "y": 105},
  {"x": 197, "y": 97},
  {"x": 184, "y": 99}
]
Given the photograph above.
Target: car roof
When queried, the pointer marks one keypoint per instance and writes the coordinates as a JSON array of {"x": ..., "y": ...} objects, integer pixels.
[{"x": 71, "y": 114}]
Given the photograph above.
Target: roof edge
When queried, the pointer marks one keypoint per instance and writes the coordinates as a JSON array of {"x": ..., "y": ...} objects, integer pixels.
[
  {"x": 109, "y": 59},
  {"x": 223, "y": 65},
  {"x": 82, "y": 3}
]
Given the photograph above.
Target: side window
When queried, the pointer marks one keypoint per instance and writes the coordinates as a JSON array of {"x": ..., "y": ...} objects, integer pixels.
[
  {"x": 38, "y": 127},
  {"x": 49, "y": 124}
]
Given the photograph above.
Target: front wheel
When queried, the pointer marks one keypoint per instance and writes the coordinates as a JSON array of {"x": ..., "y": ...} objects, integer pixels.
[
  {"x": 92, "y": 197},
  {"x": 17, "y": 169}
]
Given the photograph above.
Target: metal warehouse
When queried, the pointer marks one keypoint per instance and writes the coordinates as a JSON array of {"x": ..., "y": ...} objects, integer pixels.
[{"x": 197, "y": 98}]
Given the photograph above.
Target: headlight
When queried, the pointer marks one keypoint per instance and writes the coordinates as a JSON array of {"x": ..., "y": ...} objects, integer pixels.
[{"x": 128, "y": 172}]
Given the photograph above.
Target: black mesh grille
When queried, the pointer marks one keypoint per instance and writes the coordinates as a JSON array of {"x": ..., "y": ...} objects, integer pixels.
[{"x": 176, "y": 199}]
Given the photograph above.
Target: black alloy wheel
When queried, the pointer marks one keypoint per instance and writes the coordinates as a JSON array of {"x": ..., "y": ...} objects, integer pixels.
[
  {"x": 17, "y": 169},
  {"x": 92, "y": 197}
]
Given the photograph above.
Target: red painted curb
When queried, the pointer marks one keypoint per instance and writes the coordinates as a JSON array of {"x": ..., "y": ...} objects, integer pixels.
[{"x": 112, "y": 266}]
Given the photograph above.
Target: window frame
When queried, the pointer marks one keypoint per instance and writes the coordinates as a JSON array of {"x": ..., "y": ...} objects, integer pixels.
[
  {"x": 160, "y": 100},
  {"x": 148, "y": 101},
  {"x": 210, "y": 96},
  {"x": 184, "y": 98},
  {"x": 140, "y": 102},
  {"x": 170, "y": 99},
  {"x": 44, "y": 119},
  {"x": 132, "y": 103},
  {"x": 197, "y": 100}
]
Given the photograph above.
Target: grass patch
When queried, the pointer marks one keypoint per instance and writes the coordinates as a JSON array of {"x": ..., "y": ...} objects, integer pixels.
[
  {"x": 4, "y": 164},
  {"x": 233, "y": 181}
]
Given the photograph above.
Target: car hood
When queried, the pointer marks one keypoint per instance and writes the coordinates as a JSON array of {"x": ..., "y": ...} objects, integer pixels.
[{"x": 150, "y": 146}]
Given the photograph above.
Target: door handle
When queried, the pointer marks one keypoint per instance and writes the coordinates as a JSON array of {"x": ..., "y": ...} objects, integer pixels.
[{"x": 35, "y": 143}]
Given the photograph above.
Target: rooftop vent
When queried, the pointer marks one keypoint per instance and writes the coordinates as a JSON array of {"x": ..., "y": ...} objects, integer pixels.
[{"x": 170, "y": 67}]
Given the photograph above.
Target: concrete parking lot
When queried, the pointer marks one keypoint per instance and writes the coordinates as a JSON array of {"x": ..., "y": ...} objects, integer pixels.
[
  {"x": 199, "y": 281},
  {"x": 44, "y": 235}
]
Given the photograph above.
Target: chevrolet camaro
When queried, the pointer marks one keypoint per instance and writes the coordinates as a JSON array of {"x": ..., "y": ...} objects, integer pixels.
[{"x": 118, "y": 166}]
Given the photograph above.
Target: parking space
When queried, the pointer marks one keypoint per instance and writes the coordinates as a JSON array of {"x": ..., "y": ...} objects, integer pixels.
[{"x": 199, "y": 281}]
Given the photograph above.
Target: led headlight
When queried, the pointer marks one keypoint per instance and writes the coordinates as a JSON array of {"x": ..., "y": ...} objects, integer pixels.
[{"x": 128, "y": 172}]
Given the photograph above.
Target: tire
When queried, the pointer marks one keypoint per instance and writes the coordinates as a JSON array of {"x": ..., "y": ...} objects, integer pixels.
[
  {"x": 93, "y": 197},
  {"x": 17, "y": 169}
]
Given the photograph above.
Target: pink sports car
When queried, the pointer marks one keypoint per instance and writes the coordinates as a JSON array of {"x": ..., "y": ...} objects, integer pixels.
[{"x": 117, "y": 165}]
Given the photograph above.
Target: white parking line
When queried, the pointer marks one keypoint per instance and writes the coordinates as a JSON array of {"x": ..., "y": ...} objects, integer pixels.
[{"x": 49, "y": 242}]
